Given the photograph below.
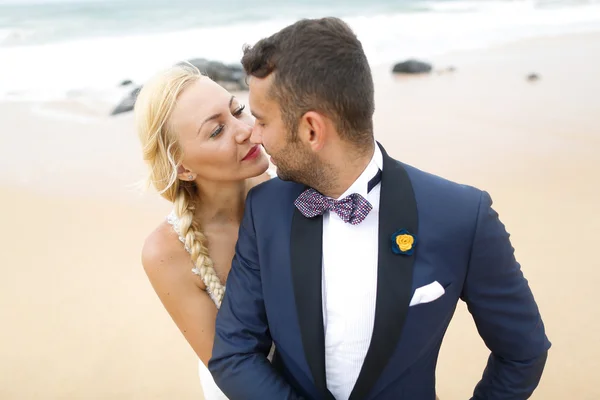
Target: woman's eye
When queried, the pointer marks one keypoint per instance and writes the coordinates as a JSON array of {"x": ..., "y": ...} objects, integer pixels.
[
  {"x": 217, "y": 131},
  {"x": 239, "y": 111}
]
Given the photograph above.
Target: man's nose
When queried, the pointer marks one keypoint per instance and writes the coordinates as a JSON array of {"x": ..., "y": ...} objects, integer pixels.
[{"x": 256, "y": 135}]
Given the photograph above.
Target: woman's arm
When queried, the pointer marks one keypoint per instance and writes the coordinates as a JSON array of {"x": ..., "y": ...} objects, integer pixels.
[{"x": 169, "y": 268}]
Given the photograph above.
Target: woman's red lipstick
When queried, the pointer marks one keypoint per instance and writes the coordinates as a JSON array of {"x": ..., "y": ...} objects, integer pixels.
[{"x": 252, "y": 154}]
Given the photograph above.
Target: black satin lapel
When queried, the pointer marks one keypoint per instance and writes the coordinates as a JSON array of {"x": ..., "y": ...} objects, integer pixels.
[
  {"x": 397, "y": 210},
  {"x": 306, "y": 261}
]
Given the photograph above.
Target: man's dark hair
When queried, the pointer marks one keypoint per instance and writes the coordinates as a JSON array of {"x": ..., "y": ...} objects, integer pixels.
[{"x": 319, "y": 65}]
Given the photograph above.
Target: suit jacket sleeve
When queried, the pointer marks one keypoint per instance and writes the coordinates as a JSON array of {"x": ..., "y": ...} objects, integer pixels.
[
  {"x": 505, "y": 313},
  {"x": 239, "y": 363}
]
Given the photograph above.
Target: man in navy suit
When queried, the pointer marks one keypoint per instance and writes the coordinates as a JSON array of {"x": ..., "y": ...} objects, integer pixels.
[{"x": 351, "y": 263}]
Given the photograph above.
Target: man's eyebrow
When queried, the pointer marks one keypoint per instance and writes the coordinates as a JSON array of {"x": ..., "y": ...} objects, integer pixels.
[{"x": 214, "y": 116}]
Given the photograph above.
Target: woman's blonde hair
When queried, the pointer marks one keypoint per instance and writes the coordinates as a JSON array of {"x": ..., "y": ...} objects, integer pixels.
[{"x": 162, "y": 153}]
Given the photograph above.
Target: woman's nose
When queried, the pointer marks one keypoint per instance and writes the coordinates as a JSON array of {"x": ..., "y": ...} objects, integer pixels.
[{"x": 244, "y": 130}]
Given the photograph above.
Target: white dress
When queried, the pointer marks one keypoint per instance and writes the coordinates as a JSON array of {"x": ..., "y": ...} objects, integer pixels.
[{"x": 209, "y": 387}]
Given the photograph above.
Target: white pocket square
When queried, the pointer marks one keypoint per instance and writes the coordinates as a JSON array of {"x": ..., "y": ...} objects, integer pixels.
[{"x": 427, "y": 293}]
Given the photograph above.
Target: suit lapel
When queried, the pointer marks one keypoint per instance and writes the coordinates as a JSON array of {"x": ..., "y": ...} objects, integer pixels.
[
  {"x": 306, "y": 261},
  {"x": 397, "y": 210}
]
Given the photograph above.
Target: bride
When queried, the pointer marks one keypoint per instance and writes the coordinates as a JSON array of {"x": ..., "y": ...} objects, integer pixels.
[{"x": 195, "y": 140}]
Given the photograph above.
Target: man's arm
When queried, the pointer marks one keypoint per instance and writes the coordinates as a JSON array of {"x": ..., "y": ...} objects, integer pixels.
[
  {"x": 505, "y": 312},
  {"x": 239, "y": 363}
]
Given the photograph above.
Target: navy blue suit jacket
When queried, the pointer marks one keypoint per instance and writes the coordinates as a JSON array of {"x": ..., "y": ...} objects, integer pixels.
[{"x": 273, "y": 295}]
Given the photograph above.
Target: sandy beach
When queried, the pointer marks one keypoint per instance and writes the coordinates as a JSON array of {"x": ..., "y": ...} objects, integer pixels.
[{"x": 80, "y": 320}]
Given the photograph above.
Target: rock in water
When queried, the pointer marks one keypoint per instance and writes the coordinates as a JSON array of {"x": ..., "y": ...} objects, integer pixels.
[
  {"x": 231, "y": 76},
  {"x": 412, "y": 67},
  {"x": 127, "y": 103}
]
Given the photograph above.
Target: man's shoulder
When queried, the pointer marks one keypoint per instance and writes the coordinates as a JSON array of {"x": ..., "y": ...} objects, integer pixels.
[
  {"x": 275, "y": 191},
  {"x": 433, "y": 182},
  {"x": 450, "y": 207},
  {"x": 428, "y": 185}
]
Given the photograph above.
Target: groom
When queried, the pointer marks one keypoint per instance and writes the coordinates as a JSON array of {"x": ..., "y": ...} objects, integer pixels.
[{"x": 352, "y": 263}]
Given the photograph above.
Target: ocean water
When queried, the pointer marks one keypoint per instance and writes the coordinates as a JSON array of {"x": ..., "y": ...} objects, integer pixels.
[{"x": 53, "y": 49}]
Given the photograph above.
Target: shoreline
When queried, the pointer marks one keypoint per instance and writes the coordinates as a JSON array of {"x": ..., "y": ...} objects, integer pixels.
[{"x": 115, "y": 92}]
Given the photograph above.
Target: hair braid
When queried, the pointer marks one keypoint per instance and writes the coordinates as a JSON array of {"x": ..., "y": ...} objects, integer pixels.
[{"x": 195, "y": 243}]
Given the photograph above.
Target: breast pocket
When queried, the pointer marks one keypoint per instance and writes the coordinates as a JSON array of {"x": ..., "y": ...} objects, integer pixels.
[
  {"x": 428, "y": 293},
  {"x": 432, "y": 307}
]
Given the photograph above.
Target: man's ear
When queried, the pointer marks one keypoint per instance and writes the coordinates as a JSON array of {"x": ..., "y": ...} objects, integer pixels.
[
  {"x": 312, "y": 130},
  {"x": 185, "y": 174}
]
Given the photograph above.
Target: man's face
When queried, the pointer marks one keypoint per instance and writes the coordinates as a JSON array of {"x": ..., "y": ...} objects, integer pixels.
[{"x": 294, "y": 161}]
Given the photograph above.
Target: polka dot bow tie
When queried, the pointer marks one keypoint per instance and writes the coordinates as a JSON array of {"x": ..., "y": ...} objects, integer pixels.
[{"x": 352, "y": 209}]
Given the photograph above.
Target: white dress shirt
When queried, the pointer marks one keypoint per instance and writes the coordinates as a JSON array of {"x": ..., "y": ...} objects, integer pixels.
[{"x": 349, "y": 285}]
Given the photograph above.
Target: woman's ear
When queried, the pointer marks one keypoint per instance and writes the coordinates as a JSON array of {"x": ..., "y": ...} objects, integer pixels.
[{"x": 185, "y": 174}]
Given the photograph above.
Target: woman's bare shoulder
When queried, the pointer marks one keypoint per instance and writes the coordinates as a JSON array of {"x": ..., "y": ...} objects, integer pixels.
[
  {"x": 164, "y": 256},
  {"x": 162, "y": 243}
]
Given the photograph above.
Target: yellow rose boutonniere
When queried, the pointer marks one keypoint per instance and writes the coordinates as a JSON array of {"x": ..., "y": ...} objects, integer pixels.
[{"x": 403, "y": 242}]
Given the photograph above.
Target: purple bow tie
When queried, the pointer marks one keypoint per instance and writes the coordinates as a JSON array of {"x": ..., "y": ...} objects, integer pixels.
[{"x": 353, "y": 208}]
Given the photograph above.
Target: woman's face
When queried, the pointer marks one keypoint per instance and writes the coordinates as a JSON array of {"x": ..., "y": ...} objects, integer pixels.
[{"x": 213, "y": 131}]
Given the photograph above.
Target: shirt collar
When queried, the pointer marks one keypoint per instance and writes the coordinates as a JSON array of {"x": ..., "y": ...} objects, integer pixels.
[{"x": 361, "y": 184}]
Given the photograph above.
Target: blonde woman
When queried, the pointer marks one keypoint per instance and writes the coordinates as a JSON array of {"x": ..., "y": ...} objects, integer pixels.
[{"x": 195, "y": 140}]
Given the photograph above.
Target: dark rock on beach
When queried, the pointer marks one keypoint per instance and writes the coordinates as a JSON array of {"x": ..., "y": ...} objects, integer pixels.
[
  {"x": 412, "y": 67},
  {"x": 127, "y": 102},
  {"x": 230, "y": 76}
]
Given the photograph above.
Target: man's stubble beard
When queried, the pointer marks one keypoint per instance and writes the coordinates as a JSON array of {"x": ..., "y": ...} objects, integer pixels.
[{"x": 302, "y": 166}]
